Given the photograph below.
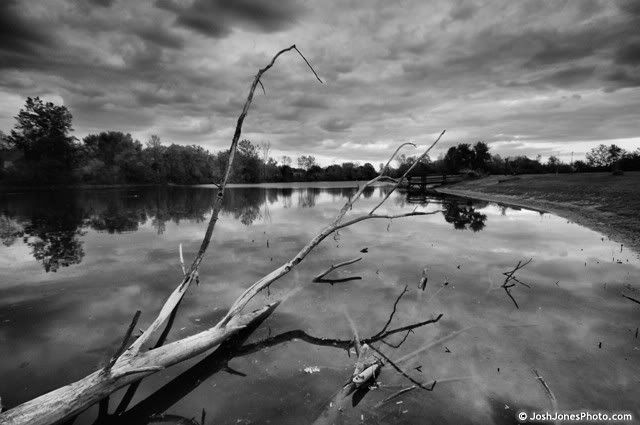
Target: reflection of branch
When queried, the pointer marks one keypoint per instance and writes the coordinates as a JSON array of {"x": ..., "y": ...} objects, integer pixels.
[
  {"x": 320, "y": 277},
  {"x": 507, "y": 285},
  {"x": 326, "y": 342},
  {"x": 395, "y": 305},
  {"x": 125, "y": 341},
  {"x": 217, "y": 361},
  {"x": 630, "y": 298},
  {"x": 403, "y": 373},
  {"x": 174, "y": 419},
  {"x": 395, "y": 395}
]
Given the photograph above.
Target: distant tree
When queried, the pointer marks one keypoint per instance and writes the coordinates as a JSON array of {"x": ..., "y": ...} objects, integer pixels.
[
  {"x": 481, "y": 156},
  {"x": 153, "y": 154},
  {"x": 248, "y": 149},
  {"x": 42, "y": 134},
  {"x": 553, "y": 163},
  {"x": 306, "y": 161},
  {"x": 458, "y": 158},
  {"x": 603, "y": 156},
  {"x": 247, "y": 168},
  {"x": 368, "y": 172},
  {"x": 114, "y": 157},
  {"x": 285, "y": 160},
  {"x": 264, "y": 148}
]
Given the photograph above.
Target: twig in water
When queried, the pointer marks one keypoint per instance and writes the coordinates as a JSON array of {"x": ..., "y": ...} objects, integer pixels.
[
  {"x": 321, "y": 277},
  {"x": 507, "y": 284}
]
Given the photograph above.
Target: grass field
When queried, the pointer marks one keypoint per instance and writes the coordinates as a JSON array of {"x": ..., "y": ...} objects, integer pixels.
[{"x": 601, "y": 201}]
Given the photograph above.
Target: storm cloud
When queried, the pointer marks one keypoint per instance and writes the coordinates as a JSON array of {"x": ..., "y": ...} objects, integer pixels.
[{"x": 529, "y": 77}]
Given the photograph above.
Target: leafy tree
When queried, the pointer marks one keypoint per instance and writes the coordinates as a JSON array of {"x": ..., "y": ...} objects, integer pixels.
[
  {"x": 42, "y": 134},
  {"x": 458, "y": 158},
  {"x": 154, "y": 153},
  {"x": 306, "y": 161},
  {"x": 603, "y": 156},
  {"x": 286, "y": 160},
  {"x": 114, "y": 157},
  {"x": 553, "y": 163},
  {"x": 481, "y": 156}
]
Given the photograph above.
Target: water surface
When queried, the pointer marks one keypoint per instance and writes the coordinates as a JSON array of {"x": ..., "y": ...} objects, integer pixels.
[{"x": 76, "y": 265}]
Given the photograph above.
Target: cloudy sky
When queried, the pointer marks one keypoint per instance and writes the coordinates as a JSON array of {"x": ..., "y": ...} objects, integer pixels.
[{"x": 529, "y": 77}]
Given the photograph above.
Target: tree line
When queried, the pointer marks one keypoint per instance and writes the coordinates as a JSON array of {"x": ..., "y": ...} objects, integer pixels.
[{"x": 40, "y": 150}]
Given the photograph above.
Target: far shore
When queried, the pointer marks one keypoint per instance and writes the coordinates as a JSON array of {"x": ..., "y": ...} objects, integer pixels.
[
  {"x": 316, "y": 184},
  {"x": 602, "y": 202}
]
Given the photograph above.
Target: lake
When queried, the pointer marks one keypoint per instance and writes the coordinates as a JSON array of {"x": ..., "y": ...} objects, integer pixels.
[{"x": 75, "y": 265}]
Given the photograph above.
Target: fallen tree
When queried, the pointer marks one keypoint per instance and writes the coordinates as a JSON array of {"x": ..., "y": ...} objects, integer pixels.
[{"x": 131, "y": 363}]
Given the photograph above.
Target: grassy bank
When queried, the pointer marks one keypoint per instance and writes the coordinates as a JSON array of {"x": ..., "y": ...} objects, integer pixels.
[{"x": 601, "y": 201}]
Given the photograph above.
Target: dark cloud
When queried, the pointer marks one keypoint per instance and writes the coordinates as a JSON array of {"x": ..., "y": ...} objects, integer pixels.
[
  {"x": 631, "y": 7},
  {"x": 560, "y": 50},
  {"x": 621, "y": 78},
  {"x": 629, "y": 54},
  {"x": 567, "y": 77},
  {"x": 335, "y": 124},
  {"x": 162, "y": 37},
  {"x": 310, "y": 102},
  {"x": 20, "y": 34},
  {"x": 216, "y": 18},
  {"x": 463, "y": 11},
  {"x": 103, "y": 3}
]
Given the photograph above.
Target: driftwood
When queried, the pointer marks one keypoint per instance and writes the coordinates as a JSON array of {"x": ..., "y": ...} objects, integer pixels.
[
  {"x": 218, "y": 361},
  {"x": 367, "y": 368},
  {"x": 134, "y": 363},
  {"x": 550, "y": 395},
  {"x": 321, "y": 277}
]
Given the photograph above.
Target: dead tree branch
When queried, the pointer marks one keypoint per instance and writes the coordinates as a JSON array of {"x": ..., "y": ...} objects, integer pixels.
[
  {"x": 417, "y": 161},
  {"x": 393, "y": 312},
  {"x": 320, "y": 278},
  {"x": 398, "y": 369},
  {"x": 125, "y": 341}
]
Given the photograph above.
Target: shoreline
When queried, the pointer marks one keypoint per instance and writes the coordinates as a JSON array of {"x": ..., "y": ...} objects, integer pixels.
[
  {"x": 588, "y": 216},
  {"x": 319, "y": 184}
]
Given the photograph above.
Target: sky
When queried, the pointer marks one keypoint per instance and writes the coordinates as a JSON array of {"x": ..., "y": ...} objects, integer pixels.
[{"x": 529, "y": 77}]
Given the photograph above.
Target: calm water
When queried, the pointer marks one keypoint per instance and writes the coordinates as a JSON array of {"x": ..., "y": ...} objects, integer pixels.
[{"x": 75, "y": 266}]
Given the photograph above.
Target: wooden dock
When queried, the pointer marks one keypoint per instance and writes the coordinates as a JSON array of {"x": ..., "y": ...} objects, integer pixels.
[{"x": 419, "y": 183}]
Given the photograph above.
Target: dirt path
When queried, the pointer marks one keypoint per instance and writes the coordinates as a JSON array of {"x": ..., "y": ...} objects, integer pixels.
[{"x": 600, "y": 201}]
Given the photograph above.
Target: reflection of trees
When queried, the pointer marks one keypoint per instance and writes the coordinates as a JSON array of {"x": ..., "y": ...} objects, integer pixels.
[
  {"x": 307, "y": 197},
  {"x": 117, "y": 220},
  {"x": 51, "y": 230},
  {"x": 51, "y": 223},
  {"x": 244, "y": 203},
  {"x": 463, "y": 216},
  {"x": 368, "y": 192},
  {"x": 10, "y": 230}
]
